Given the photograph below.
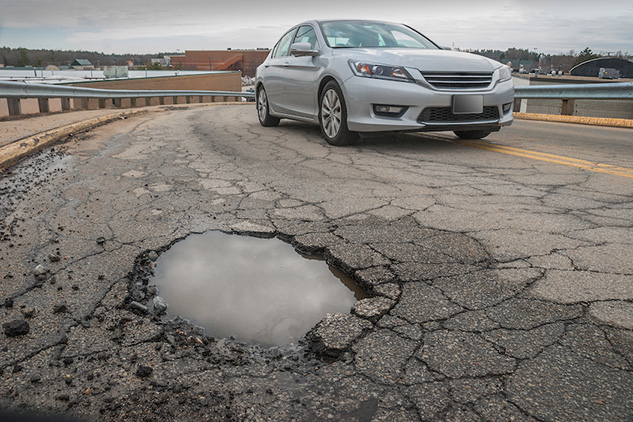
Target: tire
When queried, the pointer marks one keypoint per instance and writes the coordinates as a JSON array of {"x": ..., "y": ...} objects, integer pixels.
[
  {"x": 333, "y": 116},
  {"x": 472, "y": 134},
  {"x": 263, "y": 110}
]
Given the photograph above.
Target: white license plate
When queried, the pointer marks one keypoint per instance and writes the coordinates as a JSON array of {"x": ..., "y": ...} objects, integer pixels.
[{"x": 468, "y": 104}]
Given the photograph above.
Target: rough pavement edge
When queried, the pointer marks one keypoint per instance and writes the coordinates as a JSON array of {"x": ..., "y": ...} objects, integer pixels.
[{"x": 15, "y": 151}]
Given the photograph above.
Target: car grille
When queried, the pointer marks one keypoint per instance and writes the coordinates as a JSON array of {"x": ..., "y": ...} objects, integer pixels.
[
  {"x": 458, "y": 80},
  {"x": 446, "y": 115}
]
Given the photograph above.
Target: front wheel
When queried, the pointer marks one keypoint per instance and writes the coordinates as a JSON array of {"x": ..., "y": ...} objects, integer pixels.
[
  {"x": 263, "y": 111},
  {"x": 333, "y": 116},
  {"x": 472, "y": 134}
]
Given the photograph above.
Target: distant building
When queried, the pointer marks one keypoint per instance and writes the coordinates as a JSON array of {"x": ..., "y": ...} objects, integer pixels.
[
  {"x": 245, "y": 61},
  {"x": 82, "y": 64},
  {"x": 592, "y": 67},
  {"x": 517, "y": 64},
  {"x": 113, "y": 72},
  {"x": 164, "y": 61}
]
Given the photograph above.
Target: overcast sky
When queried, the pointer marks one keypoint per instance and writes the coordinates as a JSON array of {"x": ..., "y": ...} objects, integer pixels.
[{"x": 151, "y": 26}]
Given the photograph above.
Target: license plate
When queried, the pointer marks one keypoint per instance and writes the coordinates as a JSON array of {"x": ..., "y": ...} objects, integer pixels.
[{"x": 468, "y": 104}]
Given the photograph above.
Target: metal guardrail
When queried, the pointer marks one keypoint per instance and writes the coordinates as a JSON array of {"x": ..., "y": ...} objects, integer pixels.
[
  {"x": 26, "y": 90},
  {"x": 604, "y": 91},
  {"x": 568, "y": 94},
  {"x": 15, "y": 91}
]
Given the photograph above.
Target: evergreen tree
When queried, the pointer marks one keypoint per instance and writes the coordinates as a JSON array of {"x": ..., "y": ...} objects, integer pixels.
[{"x": 585, "y": 55}]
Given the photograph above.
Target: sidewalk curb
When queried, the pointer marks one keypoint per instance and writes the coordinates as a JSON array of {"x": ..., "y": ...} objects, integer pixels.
[
  {"x": 594, "y": 121},
  {"x": 15, "y": 151}
]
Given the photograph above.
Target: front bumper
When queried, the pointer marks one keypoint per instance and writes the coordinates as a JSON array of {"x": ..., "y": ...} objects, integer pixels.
[{"x": 427, "y": 109}]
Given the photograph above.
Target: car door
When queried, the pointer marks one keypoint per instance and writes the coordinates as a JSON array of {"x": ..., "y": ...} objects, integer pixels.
[
  {"x": 275, "y": 78},
  {"x": 300, "y": 77}
]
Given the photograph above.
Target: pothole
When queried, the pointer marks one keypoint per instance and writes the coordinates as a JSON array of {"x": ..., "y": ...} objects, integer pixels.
[{"x": 253, "y": 289}]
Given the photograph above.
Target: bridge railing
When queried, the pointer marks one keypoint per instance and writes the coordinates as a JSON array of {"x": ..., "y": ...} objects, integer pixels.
[
  {"x": 568, "y": 94},
  {"x": 16, "y": 91}
]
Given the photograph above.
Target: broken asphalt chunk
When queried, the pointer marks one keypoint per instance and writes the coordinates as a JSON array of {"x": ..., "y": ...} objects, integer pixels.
[{"x": 18, "y": 327}]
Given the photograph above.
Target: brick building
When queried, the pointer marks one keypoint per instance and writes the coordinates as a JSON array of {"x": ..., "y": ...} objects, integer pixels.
[{"x": 245, "y": 61}]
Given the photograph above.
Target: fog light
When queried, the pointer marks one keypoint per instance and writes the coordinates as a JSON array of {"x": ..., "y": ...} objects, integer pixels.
[
  {"x": 389, "y": 110},
  {"x": 507, "y": 108}
]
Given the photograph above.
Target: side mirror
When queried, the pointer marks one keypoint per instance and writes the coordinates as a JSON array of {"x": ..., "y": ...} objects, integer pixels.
[{"x": 300, "y": 49}]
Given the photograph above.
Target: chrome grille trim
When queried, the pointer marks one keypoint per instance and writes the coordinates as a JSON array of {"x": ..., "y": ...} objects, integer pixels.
[{"x": 458, "y": 80}]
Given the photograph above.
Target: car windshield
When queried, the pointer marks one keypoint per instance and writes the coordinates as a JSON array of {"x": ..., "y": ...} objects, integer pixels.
[{"x": 353, "y": 34}]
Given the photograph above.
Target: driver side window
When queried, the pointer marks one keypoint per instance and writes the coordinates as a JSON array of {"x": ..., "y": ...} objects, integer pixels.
[{"x": 283, "y": 46}]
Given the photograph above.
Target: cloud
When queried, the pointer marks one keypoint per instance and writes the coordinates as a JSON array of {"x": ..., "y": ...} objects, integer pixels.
[
  {"x": 155, "y": 25},
  {"x": 548, "y": 34}
]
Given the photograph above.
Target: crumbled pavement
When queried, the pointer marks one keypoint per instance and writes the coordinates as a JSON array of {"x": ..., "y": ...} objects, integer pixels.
[{"x": 473, "y": 316}]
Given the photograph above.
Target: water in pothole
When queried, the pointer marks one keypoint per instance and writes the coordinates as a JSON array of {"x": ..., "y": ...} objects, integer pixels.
[{"x": 253, "y": 289}]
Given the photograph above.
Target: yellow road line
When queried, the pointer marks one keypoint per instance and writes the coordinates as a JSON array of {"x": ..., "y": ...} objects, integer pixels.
[{"x": 551, "y": 158}]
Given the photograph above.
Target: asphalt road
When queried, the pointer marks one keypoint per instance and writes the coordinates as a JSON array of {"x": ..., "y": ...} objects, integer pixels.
[{"x": 500, "y": 272}]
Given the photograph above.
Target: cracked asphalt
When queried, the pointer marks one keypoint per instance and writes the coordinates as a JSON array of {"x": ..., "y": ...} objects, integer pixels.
[{"x": 501, "y": 287}]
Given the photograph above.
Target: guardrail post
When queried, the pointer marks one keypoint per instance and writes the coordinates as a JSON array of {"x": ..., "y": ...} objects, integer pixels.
[
  {"x": 188, "y": 99},
  {"x": 132, "y": 102},
  {"x": 117, "y": 102},
  {"x": 15, "y": 108},
  {"x": 102, "y": 103},
  {"x": 65, "y": 104},
  {"x": 212, "y": 98},
  {"x": 200, "y": 99},
  {"x": 226, "y": 98},
  {"x": 568, "y": 108},
  {"x": 43, "y": 104},
  {"x": 148, "y": 101},
  {"x": 161, "y": 100},
  {"x": 175, "y": 100}
]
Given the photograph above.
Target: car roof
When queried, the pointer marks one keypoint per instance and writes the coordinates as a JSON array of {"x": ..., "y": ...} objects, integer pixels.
[{"x": 319, "y": 21}]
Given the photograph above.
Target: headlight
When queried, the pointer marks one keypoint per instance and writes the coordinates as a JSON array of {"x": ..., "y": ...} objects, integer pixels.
[
  {"x": 370, "y": 70},
  {"x": 505, "y": 74}
]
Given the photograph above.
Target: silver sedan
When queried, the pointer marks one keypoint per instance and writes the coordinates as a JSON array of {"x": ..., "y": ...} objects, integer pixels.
[{"x": 367, "y": 76}]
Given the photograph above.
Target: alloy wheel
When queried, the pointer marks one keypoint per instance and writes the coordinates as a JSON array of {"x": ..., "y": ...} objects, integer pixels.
[
  {"x": 262, "y": 105},
  {"x": 331, "y": 113}
]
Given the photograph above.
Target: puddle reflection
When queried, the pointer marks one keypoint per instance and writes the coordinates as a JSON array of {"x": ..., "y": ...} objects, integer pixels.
[{"x": 256, "y": 290}]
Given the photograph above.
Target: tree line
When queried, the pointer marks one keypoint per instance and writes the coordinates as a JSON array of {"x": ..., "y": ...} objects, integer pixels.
[
  {"x": 23, "y": 57},
  {"x": 563, "y": 62}
]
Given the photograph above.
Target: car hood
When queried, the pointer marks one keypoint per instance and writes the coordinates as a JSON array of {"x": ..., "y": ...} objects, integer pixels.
[{"x": 423, "y": 60}]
